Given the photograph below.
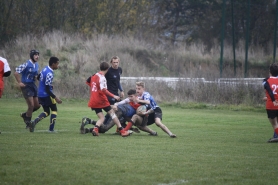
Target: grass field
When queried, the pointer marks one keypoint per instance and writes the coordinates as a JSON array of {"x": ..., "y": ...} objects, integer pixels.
[{"x": 213, "y": 147}]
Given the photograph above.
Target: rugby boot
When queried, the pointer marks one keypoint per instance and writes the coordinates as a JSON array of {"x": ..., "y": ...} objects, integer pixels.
[{"x": 124, "y": 133}]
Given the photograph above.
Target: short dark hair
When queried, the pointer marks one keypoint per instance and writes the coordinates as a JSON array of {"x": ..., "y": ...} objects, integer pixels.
[
  {"x": 131, "y": 92},
  {"x": 104, "y": 66},
  {"x": 53, "y": 60},
  {"x": 273, "y": 69}
]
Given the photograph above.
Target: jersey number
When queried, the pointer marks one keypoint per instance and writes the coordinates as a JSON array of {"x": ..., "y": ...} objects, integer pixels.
[{"x": 274, "y": 87}]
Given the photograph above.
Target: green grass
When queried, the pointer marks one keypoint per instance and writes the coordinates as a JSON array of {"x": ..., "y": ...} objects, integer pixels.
[{"x": 213, "y": 147}]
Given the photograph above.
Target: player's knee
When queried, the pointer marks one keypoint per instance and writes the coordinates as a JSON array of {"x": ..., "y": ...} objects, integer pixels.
[
  {"x": 113, "y": 115},
  {"x": 36, "y": 108}
]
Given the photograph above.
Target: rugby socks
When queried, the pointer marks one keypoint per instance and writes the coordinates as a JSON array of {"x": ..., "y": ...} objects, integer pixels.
[
  {"x": 35, "y": 109},
  {"x": 40, "y": 117},
  {"x": 275, "y": 135},
  {"x": 52, "y": 120},
  {"x": 128, "y": 126},
  {"x": 276, "y": 131}
]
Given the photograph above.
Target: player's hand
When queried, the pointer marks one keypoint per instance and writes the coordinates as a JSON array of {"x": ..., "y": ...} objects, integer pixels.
[
  {"x": 275, "y": 103},
  {"x": 59, "y": 101},
  {"x": 264, "y": 98},
  {"x": 21, "y": 84},
  {"x": 116, "y": 97},
  {"x": 122, "y": 94},
  {"x": 114, "y": 107}
]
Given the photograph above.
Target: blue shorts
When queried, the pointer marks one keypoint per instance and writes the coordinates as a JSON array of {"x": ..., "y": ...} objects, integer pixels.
[
  {"x": 30, "y": 90},
  {"x": 47, "y": 101}
]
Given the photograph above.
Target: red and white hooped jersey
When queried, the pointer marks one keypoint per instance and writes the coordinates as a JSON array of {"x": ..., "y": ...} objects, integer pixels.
[{"x": 98, "y": 98}]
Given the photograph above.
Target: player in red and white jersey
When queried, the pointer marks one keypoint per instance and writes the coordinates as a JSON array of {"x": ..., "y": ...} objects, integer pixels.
[
  {"x": 99, "y": 101},
  {"x": 271, "y": 91},
  {"x": 5, "y": 71}
]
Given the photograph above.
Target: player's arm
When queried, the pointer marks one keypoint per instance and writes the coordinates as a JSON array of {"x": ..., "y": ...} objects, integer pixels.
[
  {"x": 110, "y": 94},
  {"x": 88, "y": 81},
  {"x": 7, "y": 69},
  {"x": 122, "y": 102},
  {"x": 269, "y": 91},
  {"x": 8, "y": 73},
  {"x": 121, "y": 90},
  {"x": 48, "y": 82},
  {"x": 17, "y": 72}
]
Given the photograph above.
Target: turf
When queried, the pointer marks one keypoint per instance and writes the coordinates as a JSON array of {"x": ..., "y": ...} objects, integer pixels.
[{"x": 213, "y": 147}]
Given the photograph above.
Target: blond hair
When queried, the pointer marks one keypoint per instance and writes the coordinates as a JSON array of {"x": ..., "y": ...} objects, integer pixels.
[{"x": 142, "y": 84}]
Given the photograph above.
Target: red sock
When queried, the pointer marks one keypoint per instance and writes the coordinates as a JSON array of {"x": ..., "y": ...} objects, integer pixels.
[
  {"x": 276, "y": 131},
  {"x": 128, "y": 126}
]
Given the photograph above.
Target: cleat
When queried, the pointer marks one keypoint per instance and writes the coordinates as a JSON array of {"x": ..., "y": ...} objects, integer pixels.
[
  {"x": 130, "y": 132},
  {"x": 153, "y": 134},
  {"x": 124, "y": 133},
  {"x": 173, "y": 136},
  {"x": 32, "y": 126},
  {"x": 273, "y": 140},
  {"x": 135, "y": 130},
  {"x": 85, "y": 121},
  {"x": 52, "y": 131},
  {"x": 86, "y": 130},
  {"x": 95, "y": 131},
  {"x": 23, "y": 116}
]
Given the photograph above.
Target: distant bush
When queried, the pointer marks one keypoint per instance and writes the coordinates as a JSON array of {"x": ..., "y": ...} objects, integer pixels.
[{"x": 80, "y": 58}]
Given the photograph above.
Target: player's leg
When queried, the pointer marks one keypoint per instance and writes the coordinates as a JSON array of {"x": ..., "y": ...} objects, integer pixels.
[
  {"x": 272, "y": 117},
  {"x": 30, "y": 107},
  {"x": 116, "y": 121},
  {"x": 163, "y": 127},
  {"x": 53, "y": 117},
  {"x": 100, "y": 120},
  {"x": 138, "y": 121},
  {"x": 42, "y": 115}
]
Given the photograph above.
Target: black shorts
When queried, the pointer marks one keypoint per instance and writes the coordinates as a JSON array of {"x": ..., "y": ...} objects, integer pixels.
[
  {"x": 30, "y": 90},
  {"x": 156, "y": 114},
  {"x": 272, "y": 113},
  {"x": 98, "y": 110},
  {"x": 47, "y": 101}
]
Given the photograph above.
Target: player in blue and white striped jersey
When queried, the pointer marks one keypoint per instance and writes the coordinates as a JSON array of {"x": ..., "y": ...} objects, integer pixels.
[
  {"x": 154, "y": 111},
  {"x": 29, "y": 71},
  {"x": 46, "y": 96}
]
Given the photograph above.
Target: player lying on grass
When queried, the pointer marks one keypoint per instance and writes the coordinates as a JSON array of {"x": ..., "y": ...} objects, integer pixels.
[
  {"x": 124, "y": 113},
  {"x": 271, "y": 90},
  {"x": 136, "y": 119}
]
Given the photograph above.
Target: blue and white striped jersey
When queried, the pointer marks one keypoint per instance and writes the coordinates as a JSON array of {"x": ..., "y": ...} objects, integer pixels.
[
  {"x": 28, "y": 71},
  {"x": 148, "y": 96},
  {"x": 46, "y": 78}
]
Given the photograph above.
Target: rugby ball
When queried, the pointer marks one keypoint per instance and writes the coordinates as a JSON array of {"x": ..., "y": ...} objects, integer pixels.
[{"x": 141, "y": 109}]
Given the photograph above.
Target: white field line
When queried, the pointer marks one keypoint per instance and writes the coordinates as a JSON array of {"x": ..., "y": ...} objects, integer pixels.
[
  {"x": 175, "y": 183},
  {"x": 27, "y": 131}
]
